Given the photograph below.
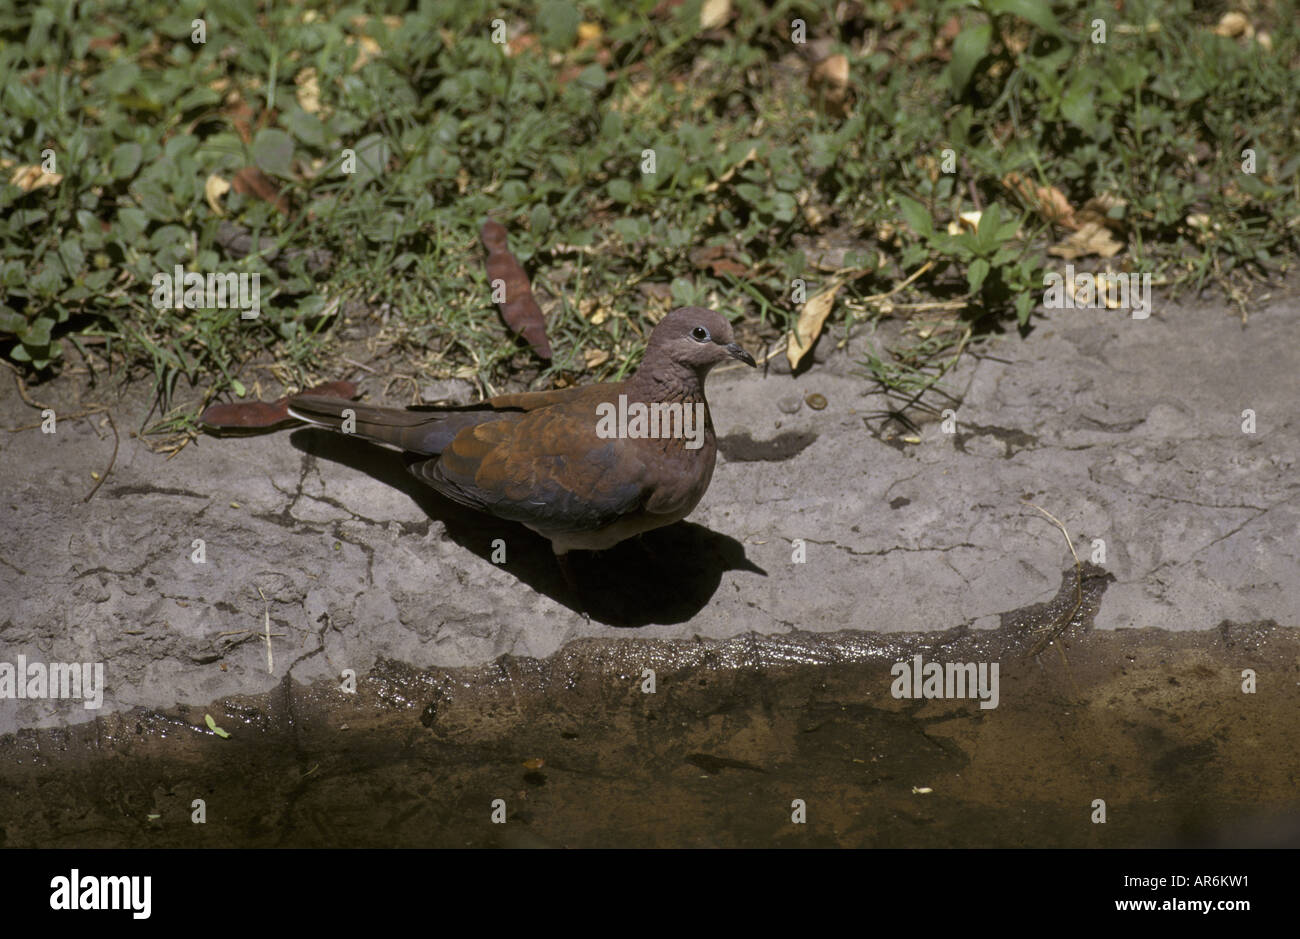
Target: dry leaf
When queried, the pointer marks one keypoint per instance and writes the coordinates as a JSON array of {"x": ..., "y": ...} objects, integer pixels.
[
  {"x": 1048, "y": 201},
  {"x": 811, "y": 320},
  {"x": 830, "y": 79},
  {"x": 967, "y": 220},
  {"x": 725, "y": 177},
  {"x": 1097, "y": 210},
  {"x": 252, "y": 181},
  {"x": 833, "y": 71},
  {"x": 31, "y": 178},
  {"x": 519, "y": 308},
  {"x": 1233, "y": 24},
  {"x": 1091, "y": 238},
  {"x": 308, "y": 90},
  {"x": 719, "y": 259},
  {"x": 595, "y": 357},
  {"x": 369, "y": 51},
  {"x": 214, "y": 189},
  {"x": 714, "y": 13},
  {"x": 251, "y": 416}
]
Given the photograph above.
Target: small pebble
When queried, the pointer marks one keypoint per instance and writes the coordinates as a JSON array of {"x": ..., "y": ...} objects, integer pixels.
[
  {"x": 790, "y": 404},
  {"x": 816, "y": 401}
]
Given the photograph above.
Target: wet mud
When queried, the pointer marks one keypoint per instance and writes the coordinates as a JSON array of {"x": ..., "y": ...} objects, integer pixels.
[{"x": 1154, "y": 724}]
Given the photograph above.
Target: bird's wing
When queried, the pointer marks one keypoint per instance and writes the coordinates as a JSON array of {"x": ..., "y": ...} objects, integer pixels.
[{"x": 546, "y": 468}]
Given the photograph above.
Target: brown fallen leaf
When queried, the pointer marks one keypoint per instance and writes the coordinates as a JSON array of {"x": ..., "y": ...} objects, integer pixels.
[
  {"x": 1091, "y": 238},
  {"x": 811, "y": 320},
  {"x": 519, "y": 309},
  {"x": 253, "y": 416},
  {"x": 1048, "y": 201},
  {"x": 252, "y": 181},
  {"x": 718, "y": 259}
]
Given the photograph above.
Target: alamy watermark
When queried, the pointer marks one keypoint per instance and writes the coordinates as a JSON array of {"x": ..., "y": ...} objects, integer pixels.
[
  {"x": 190, "y": 290},
  {"x": 946, "y": 680},
  {"x": 23, "y": 679},
  {"x": 656, "y": 421},
  {"x": 80, "y": 891},
  {"x": 1106, "y": 290}
]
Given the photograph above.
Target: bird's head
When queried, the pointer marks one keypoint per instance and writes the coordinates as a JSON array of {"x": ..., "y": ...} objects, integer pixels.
[{"x": 696, "y": 338}]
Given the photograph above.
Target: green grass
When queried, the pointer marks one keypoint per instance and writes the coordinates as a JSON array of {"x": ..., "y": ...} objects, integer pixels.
[{"x": 447, "y": 130}]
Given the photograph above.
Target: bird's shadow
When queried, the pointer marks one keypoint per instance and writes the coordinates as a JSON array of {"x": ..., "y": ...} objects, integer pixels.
[{"x": 664, "y": 576}]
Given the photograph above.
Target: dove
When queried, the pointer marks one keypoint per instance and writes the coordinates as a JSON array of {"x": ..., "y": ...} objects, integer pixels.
[{"x": 585, "y": 467}]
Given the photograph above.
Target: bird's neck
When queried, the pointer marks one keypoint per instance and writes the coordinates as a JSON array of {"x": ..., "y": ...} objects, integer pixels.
[{"x": 664, "y": 380}]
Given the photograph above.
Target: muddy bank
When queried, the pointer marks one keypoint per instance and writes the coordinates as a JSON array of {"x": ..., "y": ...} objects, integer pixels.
[{"x": 1154, "y": 723}]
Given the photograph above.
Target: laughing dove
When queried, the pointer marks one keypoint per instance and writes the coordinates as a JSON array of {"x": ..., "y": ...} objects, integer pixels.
[{"x": 585, "y": 467}]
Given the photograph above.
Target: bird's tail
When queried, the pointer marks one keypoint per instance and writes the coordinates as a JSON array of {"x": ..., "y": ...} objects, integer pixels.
[{"x": 396, "y": 427}]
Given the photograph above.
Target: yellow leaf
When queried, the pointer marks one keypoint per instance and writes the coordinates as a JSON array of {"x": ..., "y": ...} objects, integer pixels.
[
  {"x": 214, "y": 189},
  {"x": 714, "y": 13},
  {"x": 1233, "y": 24},
  {"x": 811, "y": 320},
  {"x": 30, "y": 178},
  {"x": 308, "y": 90},
  {"x": 967, "y": 220}
]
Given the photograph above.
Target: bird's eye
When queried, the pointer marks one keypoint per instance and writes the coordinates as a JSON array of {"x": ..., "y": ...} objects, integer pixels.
[{"x": 700, "y": 334}]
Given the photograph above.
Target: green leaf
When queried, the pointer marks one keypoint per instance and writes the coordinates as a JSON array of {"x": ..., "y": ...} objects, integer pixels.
[
  {"x": 1024, "y": 307},
  {"x": 559, "y": 20},
  {"x": 37, "y": 333},
  {"x": 989, "y": 234},
  {"x": 1038, "y": 12},
  {"x": 273, "y": 152},
  {"x": 131, "y": 224},
  {"x": 125, "y": 160},
  {"x": 1078, "y": 107},
  {"x": 11, "y": 322},
  {"x": 539, "y": 219},
  {"x": 916, "y": 216},
  {"x": 971, "y": 45},
  {"x": 592, "y": 77},
  {"x": 212, "y": 726},
  {"x": 306, "y": 127},
  {"x": 373, "y": 154},
  {"x": 975, "y": 274}
]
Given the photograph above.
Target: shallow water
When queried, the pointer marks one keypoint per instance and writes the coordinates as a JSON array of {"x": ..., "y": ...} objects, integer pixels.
[{"x": 1154, "y": 723}]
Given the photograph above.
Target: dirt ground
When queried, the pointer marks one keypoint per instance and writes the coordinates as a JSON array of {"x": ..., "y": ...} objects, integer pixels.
[{"x": 828, "y": 548}]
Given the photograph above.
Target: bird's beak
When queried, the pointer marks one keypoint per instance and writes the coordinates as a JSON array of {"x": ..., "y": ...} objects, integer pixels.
[{"x": 738, "y": 353}]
